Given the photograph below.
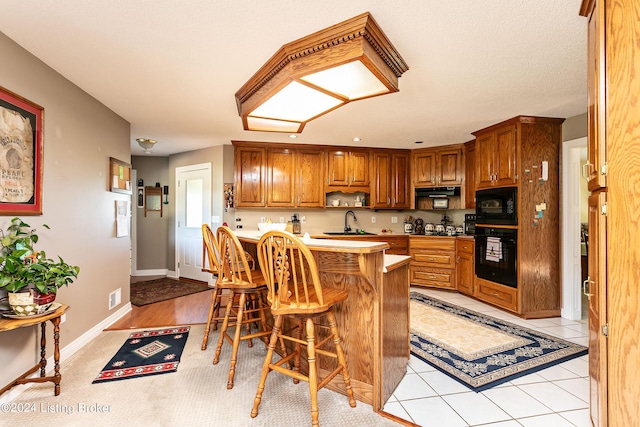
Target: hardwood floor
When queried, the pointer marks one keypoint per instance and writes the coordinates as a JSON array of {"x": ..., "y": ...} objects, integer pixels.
[{"x": 188, "y": 310}]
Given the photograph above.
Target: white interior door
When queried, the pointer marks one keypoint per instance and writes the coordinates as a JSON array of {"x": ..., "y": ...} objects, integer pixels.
[{"x": 193, "y": 210}]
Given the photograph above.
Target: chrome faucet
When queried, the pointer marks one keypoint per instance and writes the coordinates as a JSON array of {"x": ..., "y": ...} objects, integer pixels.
[{"x": 347, "y": 228}]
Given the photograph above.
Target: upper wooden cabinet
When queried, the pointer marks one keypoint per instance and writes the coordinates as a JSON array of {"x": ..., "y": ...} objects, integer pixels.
[
  {"x": 470, "y": 175},
  {"x": 250, "y": 176},
  {"x": 390, "y": 188},
  {"x": 595, "y": 170},
  {"x": 293, "y": 179},
  {"x": 348, "y": 171},
  {"x": 495, "y": 154},
  {"x": 437, "y": 167}
]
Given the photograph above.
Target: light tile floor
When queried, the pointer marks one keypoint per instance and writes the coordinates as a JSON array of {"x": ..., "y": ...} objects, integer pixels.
[{"x": 554, "y": 397}]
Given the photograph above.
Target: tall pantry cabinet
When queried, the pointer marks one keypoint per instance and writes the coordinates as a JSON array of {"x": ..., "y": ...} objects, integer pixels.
[{"x": 613, "y": 173}]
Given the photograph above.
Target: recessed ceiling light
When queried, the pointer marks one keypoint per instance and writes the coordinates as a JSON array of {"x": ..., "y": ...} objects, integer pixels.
[
  {"x": 292, "y": 136},
  {"x": 356, "y": 139}
]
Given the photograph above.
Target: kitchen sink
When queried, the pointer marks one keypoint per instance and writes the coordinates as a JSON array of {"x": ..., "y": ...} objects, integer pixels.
[{"x": 350, "y": 233}]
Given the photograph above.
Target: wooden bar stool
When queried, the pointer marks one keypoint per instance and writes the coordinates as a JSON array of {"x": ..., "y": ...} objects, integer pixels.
[
  {"x": 295, "y": 291},
  {"x": 246, "y": 303},
  {"x": 211, "y": 264}
]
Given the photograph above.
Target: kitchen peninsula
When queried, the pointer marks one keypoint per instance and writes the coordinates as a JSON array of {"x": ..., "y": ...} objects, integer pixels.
[{"x": 373, "y": 321}]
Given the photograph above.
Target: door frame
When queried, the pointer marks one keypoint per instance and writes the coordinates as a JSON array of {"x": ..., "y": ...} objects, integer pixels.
[
  {"x": 179, "y": 213},
  {"x": 571, "y": 278}
]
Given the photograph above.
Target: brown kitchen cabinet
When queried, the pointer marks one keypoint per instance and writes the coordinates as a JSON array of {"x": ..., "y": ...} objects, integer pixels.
[
  {"x": 293, "y": 179},
  {"x": 433, "y": 264},
  {"x": 496, "y": 294},
  {"x": 470, "y": 175},
  {"x": 348, "y": 171},
  {"x": 250, "y": 176},
  {"x": 440, "y": 167},
  {"x": 495, "y": 155},
  {"x": 390, "y": 188},
  {"x": 465, "y": 265}
]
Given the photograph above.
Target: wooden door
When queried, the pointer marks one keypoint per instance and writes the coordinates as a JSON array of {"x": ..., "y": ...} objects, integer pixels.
[
  {"x": 250, "y": 176},
  {"x": 465, "y": 268},
  {"x": 309, "y": 188},
  {"x": 382, "y": 194},
  {"x": 424, "y": 169},
  {"x": 596, "y": 153},
  {"x": 280, "y": 177},
  {"x": 596, "y": 289},
  {"x": 485, "y": 147},
  {"x": 338, "y": 169},
  {"x": 449, "y": 167},
  {"x": 504, "y": 168},
  {"x": 359, "y": 169},
  {"x": 400, "y": 180}
]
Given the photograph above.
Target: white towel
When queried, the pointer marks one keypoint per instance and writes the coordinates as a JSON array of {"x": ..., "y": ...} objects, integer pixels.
[{"x": 494, "y": 249}]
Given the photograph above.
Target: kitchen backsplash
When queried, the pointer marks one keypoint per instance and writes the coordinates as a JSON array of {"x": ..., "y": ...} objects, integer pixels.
[{"x": 332, "y": 219}]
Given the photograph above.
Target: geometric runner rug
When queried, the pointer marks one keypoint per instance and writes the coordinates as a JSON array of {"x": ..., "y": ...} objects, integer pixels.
[
  {"x": 146, "y": 353},
  {"x": 477, "y": 350},
  {"x": 151, "y": 291}
]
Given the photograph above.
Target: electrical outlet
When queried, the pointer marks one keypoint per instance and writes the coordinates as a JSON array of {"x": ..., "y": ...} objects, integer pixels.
[
  {"x": 238, "y": 227},
  {"x": 303, "y": 219},
  {"x": 394, "y": 220},
  {"x": 63, "y": 318},
  {"x": 281, "y": 219},
  {"x": 263, "y": 219},
  {"x": 373, "y": 220}
]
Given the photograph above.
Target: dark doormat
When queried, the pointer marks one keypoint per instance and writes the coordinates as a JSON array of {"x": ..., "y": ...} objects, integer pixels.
[{"x": 151, "y": 291}]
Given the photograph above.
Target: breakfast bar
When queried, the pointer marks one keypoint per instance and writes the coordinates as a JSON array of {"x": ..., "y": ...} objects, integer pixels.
[{"x": 373, "y": 321}]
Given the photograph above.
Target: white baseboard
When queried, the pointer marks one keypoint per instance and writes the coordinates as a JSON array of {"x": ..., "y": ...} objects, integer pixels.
[
  {"x": 68, "y": 350},
  {"x": 156, "y": 272}
]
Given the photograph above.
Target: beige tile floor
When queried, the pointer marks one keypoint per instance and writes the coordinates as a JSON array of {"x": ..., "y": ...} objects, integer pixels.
[{"x": 554, "y": 397}]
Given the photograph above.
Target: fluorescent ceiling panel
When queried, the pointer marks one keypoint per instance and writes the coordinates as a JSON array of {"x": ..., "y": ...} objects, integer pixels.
[{"x": 352, "y": 80}]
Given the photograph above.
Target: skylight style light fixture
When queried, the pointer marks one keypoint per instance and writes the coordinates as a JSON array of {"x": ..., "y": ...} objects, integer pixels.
[
  {"x": 147, "y": 144},
  {"x": 318, "y": 73}
]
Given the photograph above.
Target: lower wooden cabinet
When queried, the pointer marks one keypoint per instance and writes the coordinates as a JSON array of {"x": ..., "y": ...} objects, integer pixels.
[
  {"x": 465, "y": 265},
  {"x": 433, "y": 263},
  {"x": 496, "y": 294}
]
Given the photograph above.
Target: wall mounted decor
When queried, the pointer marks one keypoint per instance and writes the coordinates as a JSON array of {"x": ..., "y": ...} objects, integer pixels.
[
  {"x": 153, "y": 200},
  {"x": 119, "y": 176},
  {"x": 21, "y": 150}
]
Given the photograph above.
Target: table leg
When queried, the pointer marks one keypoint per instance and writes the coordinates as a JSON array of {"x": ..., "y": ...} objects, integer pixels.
[
  {"x": 43, "y": 349},
  {"x": 56, "y": 354}
]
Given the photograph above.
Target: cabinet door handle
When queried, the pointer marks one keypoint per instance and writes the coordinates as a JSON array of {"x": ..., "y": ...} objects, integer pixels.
[
  {"x": 585, "y": 287},
  {"x": 431, "y": 259},
  {"x": 586, "y": 170},
  {"x": 458, "y": 260},
  {"x": 298, "y": 199}
]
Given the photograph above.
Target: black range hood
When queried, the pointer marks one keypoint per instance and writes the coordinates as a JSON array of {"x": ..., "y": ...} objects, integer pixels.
[{"x": 437, "y": 192}]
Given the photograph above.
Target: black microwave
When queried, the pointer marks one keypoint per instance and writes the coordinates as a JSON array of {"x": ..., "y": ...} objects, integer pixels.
[{"x": 497, "y": 206}]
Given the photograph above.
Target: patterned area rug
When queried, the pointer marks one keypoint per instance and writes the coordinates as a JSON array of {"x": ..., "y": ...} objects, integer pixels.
[
  {"x": 478, "y": 350},
  {"x": 148, "y": 292},
  {"x": 146, "y": 353}
]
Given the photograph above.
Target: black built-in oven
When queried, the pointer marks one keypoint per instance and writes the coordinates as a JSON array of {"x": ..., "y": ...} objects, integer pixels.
[
  {"x": 496, "y": 255},
  {"x": 497, "y": 206}
]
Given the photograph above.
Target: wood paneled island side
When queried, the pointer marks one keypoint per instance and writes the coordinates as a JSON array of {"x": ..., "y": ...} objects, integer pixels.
[{"x": 373, "y": 321}]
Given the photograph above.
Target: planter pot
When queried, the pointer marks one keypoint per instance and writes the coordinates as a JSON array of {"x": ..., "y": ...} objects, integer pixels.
[{"x": 28, "y": 303}]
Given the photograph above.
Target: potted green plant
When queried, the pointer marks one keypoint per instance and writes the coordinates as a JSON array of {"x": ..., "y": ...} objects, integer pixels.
[{"x": 29, "y": 276}]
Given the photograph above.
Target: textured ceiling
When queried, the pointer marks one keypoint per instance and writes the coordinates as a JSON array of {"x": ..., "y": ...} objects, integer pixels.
[{"x": 172, "y": 68}]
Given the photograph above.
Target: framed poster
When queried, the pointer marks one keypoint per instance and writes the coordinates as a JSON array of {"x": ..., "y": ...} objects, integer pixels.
[{"x": 21, "y": 150}]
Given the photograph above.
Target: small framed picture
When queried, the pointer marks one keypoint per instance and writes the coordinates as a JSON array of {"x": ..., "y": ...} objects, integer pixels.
[{"x": 441, "y": 203}]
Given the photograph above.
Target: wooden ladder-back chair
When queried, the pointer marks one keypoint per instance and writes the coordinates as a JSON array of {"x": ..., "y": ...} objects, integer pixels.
[
  {"x": 295, "y": 291},
  {"x": 246, "y": 304},
  {"x": 211, "y": 258}
]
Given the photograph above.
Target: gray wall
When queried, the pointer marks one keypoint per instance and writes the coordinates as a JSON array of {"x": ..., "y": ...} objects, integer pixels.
[
  {"x": 574, "y": 127},
  {"x": 153, "y": 230},
  {"x": 80, "y": 135}
]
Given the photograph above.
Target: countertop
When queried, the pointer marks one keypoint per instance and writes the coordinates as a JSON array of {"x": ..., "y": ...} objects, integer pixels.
[{"x": 327, "y": 244}]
